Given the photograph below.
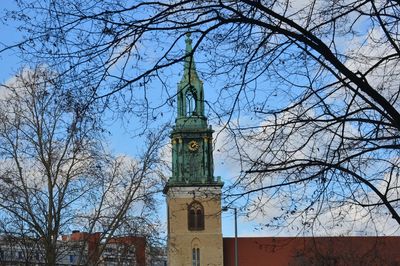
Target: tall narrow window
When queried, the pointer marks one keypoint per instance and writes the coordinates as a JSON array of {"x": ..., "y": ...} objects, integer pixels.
[
  {"x": 195, "y": 216},
  {"x": 195, "y": 257},
  {"x": 190, "y": 103}
]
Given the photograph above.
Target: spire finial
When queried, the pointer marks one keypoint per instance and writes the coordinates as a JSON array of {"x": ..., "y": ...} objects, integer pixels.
[
  {"x": 189, "y": 61},
  {"x": 188, "y": 42}
]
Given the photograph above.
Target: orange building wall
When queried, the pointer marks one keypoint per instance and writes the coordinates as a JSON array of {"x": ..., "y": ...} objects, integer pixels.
[{"x": 265, "y": 251}]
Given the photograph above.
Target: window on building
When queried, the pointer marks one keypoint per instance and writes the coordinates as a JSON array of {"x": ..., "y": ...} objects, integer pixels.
[
  {"x": 195, "y": 216},
  {"x": 190, "y": 103},
  {"x": 195, "y": 257}
]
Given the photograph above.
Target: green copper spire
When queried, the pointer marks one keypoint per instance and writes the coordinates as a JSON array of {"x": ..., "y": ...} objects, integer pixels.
[
  {"x": 190, "y": 93},
  {"x": 191, "y": 138}
]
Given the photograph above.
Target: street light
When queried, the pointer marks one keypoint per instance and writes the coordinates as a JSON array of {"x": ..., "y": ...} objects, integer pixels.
[{"x": 225, "y": 208}]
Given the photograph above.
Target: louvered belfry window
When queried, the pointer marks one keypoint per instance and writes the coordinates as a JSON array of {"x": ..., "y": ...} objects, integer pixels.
[{"x": 195, "y": 216}]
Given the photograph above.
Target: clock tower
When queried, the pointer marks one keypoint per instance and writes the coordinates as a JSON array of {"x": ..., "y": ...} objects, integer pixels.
[{"x": 193, "y": 193}]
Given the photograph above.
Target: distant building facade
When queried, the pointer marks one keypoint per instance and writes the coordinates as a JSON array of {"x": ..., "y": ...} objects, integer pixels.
[
  {"x": 21, "y": 252},
  {"x": 81, "y": 248}
]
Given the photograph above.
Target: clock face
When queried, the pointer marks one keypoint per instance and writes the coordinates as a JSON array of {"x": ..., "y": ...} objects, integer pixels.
[{"x": 193, "y": 145}]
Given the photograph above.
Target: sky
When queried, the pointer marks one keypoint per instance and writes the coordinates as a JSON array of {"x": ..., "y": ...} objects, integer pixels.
[
  {"x": 120, "y": 140},
  {"x": 8, "y": 35}
]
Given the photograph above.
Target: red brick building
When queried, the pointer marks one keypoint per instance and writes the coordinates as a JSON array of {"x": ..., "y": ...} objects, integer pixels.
[{"x": 276, "y": 251}]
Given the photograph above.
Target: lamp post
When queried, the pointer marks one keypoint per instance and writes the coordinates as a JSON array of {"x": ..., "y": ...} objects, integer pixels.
[{"x": 236, "y": 234}]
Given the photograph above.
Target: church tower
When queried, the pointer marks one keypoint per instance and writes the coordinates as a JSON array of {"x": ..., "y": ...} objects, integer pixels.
[{"x": 193, "y": 193}]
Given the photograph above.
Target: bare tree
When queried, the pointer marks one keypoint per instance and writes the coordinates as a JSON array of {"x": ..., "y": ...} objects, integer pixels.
[
  {"x": 308, "y": 89},
  {"x": 55, "y": 174}
]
